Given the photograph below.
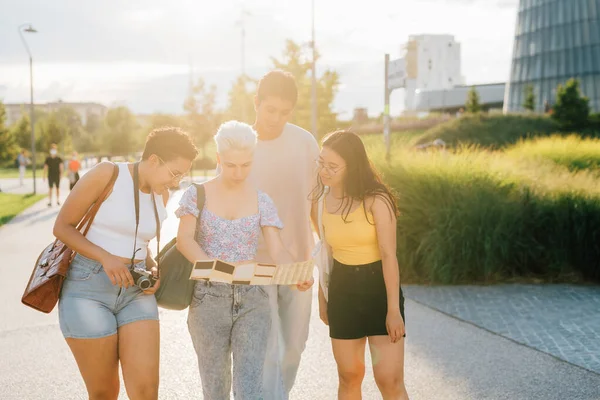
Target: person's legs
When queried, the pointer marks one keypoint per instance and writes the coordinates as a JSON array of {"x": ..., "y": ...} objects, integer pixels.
[
  {"x": 294, "y": 315},
  {"x": 210, "y": 324},
  {"x": 273, "y": 386},
  {"x": 388, "y": 367},
  {"x": 350, "y": 358},
  {"x": 72, "y": 184},
  {"x": 139, "y": 344},
  {"x": 58, "y": 191},
  {"x": 50, "y": 184},
  {"x": 90, "y": 327},
  {"x": 98, "y": 364},
  {"x": 249, "y": 338},
  {"x": 21, "y": 174}
]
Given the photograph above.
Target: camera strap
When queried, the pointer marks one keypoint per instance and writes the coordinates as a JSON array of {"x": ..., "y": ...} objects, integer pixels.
[
  {"x": 136, "y": 201},
  {"x": 136, "y": 196}
]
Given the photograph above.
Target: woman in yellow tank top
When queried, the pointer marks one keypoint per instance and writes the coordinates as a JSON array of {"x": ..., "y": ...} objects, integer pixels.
[{"x": 364, "y": 301}]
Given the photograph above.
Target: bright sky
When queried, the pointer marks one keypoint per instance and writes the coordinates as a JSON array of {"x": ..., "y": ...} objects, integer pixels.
[{"x": 138, "y": 52}]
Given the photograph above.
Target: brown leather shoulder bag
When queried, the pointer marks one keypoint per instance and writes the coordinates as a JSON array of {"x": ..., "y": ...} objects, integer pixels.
[{"x": 50, "y": 270}]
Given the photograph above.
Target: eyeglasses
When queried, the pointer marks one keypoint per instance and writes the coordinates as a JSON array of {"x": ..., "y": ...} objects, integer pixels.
[
  {"x": 176, "y": 177},
  {"x": 330, "y": 170}
]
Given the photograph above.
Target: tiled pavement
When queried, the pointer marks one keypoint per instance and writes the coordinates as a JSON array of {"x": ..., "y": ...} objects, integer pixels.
[{"x": 561, "y": 320}]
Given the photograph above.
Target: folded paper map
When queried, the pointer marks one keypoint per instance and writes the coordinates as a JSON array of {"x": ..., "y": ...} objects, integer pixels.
[{"x": 252, "y": 273}]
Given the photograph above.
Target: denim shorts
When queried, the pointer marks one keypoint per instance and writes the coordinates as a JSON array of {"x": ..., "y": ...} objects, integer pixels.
[{"x": 92, "y": 307}]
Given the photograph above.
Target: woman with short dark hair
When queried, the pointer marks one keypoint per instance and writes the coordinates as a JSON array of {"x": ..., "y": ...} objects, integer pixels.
[{"x": 105, "y": 315}]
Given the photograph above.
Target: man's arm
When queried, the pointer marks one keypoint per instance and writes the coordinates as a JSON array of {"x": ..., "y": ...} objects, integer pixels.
[
  {"x": 313, "y": 156},
  {"x": 314, "y": 216}
]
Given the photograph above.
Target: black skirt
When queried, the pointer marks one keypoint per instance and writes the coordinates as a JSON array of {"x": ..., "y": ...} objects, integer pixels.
[{"x": 357, "y": 305}]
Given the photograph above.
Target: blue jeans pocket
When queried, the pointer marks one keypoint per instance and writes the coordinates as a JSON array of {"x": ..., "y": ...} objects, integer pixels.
[
  {"x": 262, "y": 291},
  {"x": 197, "y": 299}
]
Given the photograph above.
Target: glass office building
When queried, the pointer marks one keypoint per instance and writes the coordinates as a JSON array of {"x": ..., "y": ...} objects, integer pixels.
[{"x": 555, "y": 40}]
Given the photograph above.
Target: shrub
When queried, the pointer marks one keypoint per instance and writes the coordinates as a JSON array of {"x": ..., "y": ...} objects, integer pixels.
[
  {"x": 480, "y": 216},
  {"x": 491, "y": 131}
]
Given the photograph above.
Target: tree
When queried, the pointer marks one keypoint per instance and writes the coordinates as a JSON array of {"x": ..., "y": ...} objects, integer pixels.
[
  {"x": 90, "y": 139},
  {"x": 119, "y": 132},
  {"x": 93, "y": 124},
  {"x": 571, "y": 109},
  {"x": 56, "y": 128},
  {"x": 241, "y": 100},
  {"x": 159, "y": 120},
  {"x": 8, "y": 145},
  {"x": 298, "y": 63},
  {"x": 70, "y": 122},
  {"x": 473, "y": 105},
  {"x": 202, "y": 119},
  {"x": 529, "y": 103},
  {"x": 326, "y": 91},
  {"x": 21, "y": 131}
]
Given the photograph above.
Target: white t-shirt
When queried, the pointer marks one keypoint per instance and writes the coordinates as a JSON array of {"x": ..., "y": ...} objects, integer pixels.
[{"x": 285, "y": 169}]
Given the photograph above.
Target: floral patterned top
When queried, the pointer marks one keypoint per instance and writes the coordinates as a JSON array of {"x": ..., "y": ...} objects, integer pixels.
[{"x": 229, "y": 240}]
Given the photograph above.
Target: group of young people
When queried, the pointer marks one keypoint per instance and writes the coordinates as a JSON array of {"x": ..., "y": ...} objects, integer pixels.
[{"x": 263, "y": 205}]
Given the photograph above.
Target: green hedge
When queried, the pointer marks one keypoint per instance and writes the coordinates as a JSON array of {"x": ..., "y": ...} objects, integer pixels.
[
  {"x": 479, "y": 216},
  {"x": 572, "y": 151},
  {"x": 490, "y": 131}
]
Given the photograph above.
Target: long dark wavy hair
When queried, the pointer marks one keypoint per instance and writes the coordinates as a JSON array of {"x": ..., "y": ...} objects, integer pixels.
[{"x": 362, "y": 179}]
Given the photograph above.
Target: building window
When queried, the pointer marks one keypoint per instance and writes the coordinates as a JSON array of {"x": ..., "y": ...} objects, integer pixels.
[
  {"x": 555, "y": 40},
  {"x": 585, "y": 28}
]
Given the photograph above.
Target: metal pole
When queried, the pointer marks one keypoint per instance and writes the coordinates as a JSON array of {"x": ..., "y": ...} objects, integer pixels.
[
  {"x": 33, "y": 163},
  {"x": 314, "y": 76},
  {"x": 33, "y": 160},
  {"x": 386, "y": 109},
  {"x": 243, "y": 60}
]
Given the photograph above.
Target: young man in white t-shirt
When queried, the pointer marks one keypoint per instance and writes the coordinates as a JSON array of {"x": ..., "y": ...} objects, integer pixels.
[{"x": 284, "y": 167}]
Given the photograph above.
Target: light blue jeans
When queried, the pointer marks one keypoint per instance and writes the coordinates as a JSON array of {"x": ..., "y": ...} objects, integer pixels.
[
  {"x": 229, "y": 319},
  {"x": 92, "y": 307},
  {"x": 290, "y": 313}
]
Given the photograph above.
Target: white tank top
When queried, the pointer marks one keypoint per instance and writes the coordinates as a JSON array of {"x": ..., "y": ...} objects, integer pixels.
[{"x": 113, "y": 228}]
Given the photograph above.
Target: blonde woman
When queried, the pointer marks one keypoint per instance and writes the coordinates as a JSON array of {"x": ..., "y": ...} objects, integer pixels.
[{"x": 229, "y": 319}]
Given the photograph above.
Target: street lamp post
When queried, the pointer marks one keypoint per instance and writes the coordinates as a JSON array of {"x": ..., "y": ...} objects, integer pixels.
[
  {"x": 29, "y": 29},
  {"x": 314, "y": 76}
]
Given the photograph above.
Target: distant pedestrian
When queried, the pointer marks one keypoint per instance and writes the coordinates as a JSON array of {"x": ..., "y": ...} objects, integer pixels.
[
  {"x": 22, "y": 161},
  {"x": 74, "y": 167},
  {"x": 53, "y": 170}
]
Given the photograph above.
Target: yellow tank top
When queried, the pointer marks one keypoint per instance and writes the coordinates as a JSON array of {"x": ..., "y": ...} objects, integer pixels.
[{"x": 354, "y": 241}]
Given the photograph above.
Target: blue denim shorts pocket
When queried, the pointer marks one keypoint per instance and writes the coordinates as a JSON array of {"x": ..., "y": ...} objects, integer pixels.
[{"x": 78, "y": 272}]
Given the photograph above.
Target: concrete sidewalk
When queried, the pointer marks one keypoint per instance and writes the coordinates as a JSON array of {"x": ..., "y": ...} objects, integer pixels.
[{"x": 13, "y": 186}]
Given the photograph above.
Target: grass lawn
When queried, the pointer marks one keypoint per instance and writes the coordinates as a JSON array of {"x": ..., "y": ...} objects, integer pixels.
[
  {"x": 8, "y": 173},
  {"x": 12, "y": 205}
]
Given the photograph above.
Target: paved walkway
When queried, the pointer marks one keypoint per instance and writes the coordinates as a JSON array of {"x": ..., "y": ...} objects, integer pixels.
[
  {"x": 11, "y": 185},
  {"x": 445, "y": 358},
  {"x": 561, "y": 320}
]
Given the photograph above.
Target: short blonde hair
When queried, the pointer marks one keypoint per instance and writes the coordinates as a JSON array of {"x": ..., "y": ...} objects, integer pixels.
[{"x": 235, "y": 135}]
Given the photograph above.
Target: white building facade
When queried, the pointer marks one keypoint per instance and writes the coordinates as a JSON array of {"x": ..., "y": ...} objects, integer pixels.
[{"x": 433, "y": 62}]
